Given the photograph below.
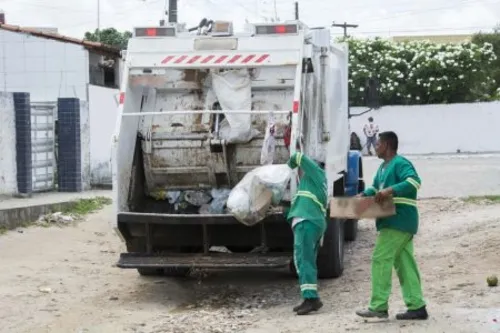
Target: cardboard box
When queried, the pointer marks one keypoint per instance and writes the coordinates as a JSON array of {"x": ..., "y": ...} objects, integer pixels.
[{"x": 360, "y": 208}]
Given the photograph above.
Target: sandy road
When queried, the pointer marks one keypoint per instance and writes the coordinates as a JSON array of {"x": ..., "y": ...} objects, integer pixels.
[{"x": 64, "y": 280}]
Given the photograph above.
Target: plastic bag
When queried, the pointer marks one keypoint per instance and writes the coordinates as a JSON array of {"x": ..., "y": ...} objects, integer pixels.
[
  {"x": 197, "y": 198},
  {"x": 233, "y": 91},
  {"x": 269, "y": 146},
  {"x": 262, "y": 187},
  {"x": 220, "y": 197}
]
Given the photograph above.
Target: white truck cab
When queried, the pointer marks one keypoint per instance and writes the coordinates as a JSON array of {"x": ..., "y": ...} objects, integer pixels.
[{"x": 193, "y": 110}]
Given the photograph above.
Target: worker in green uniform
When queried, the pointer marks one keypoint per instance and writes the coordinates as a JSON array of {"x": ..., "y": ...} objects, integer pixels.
[
  {"x": 396, "y": 177},
  {"x": 307, "y": 218}
]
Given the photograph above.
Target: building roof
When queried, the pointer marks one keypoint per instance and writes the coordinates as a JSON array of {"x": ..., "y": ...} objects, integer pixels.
[{"x": 92, "y": 46}]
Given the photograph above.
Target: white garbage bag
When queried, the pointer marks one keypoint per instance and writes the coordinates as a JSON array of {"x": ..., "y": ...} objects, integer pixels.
[
  {"x": 233, "y": 89},
  {"x": 262, "y": 187},
  {"x": 269, "y": 146}
]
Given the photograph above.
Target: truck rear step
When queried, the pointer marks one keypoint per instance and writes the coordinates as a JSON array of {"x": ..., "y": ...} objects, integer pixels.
[{"x": 212, "y": 261}]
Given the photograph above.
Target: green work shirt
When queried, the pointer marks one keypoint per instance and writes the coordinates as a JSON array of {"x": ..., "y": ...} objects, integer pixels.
[
  {"x": 310, "y": 201},
  {"x": 400, "y": 174}
]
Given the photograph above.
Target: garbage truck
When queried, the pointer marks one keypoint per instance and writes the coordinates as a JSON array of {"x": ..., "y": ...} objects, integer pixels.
[{"x": 192, "y": 115}]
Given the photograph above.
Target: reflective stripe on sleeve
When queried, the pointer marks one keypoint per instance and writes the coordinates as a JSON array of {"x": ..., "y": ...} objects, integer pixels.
[
  {"x": 413, "y": 182},
  {"x": 405, "y": 201}
]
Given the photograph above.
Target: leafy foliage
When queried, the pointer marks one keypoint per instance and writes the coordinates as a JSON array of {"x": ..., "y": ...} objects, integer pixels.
[
  {"x": 421, "y": 72},
  {"x": 110, "y": 36},
  {"x": 493, "y": 39}
]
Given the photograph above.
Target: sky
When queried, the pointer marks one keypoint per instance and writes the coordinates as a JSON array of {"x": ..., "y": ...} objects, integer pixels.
[{"x": 374, "y": 17}]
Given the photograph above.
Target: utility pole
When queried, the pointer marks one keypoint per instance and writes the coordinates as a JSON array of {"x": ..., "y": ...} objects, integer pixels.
[
  {"x": 275, "y": 12},
  {"x": 98, "y": 20},
  {"x": 172, "y": 11},
  {"x": 344, "y": 25},
  {"x": 297, "y": 10}
]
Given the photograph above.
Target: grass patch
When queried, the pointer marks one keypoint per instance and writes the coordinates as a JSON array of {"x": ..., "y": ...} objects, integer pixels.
[
  {"x": 64, "y": 214},
  {"x": 483, "y": 199},
  {"x": 86, "y": 206}
]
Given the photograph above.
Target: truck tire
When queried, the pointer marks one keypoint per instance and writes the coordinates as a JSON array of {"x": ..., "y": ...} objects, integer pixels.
[
  {"x": 350, "y": 230},
  {"x": 351, "y": 226},
  {"x": 331, "y": 255}
]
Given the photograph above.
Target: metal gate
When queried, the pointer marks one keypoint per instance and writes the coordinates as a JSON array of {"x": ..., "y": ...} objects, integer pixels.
[{"x": 43, "y": 145}]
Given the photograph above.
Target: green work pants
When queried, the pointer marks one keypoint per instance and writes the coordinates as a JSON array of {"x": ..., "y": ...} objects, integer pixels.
[
  {"x": 395, "y": 248},
  {"x": 307, "y": 237}
]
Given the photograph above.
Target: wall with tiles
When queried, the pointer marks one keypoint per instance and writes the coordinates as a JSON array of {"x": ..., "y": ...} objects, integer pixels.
[{"x": 45, "y": 68}]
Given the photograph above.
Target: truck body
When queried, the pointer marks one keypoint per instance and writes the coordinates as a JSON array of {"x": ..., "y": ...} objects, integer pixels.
[{"x": 168, "y": 141}]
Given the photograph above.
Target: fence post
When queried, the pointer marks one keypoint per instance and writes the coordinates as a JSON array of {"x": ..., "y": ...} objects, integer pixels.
[{"x": 69, "y": 167}]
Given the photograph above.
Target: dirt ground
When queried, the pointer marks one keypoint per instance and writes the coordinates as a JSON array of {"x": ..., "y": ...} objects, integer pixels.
[{"x": 64, "y": 280}]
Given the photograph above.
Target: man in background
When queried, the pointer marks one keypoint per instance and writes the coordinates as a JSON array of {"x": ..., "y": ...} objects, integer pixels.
[{"x": 371, "y": 131}]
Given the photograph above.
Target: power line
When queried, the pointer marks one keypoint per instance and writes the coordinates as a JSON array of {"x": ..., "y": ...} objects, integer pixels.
[
  {"x": 120, "y": 14},
  {"x": 426, "y": 30},
  {"x": 414, "y": 12},
  {"x": 59, "y": 8}
]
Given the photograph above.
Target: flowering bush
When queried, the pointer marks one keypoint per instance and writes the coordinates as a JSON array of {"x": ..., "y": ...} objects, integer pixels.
[{"x": 420, "y": 72}]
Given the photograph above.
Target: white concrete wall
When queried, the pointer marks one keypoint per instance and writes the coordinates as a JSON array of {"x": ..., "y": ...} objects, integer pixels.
[
  {"x": 8, "y": 166},
  {"x": 85, "y": 144},
  {"x": 103, "y": 110},
  {"x": 437, "y": 129},
  {"x": 45, "y": 68}
]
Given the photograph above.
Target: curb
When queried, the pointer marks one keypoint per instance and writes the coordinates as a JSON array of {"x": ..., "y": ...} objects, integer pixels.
[{"x": 13, "y": 218}]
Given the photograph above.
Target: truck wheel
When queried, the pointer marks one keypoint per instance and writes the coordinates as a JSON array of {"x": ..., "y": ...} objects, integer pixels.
[
  {"x": 351, "y": 226},
  {"x": 150, "y": 271},
  {"x": 331, "y": 255},
  {"x": 351, "y": 230}
]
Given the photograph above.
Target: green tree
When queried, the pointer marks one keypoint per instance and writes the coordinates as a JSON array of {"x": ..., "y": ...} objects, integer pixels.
[
  {"x": 421, "y": 72},
  {"x": 110, "y": 36},
  {"x": 493, "y": 39}
]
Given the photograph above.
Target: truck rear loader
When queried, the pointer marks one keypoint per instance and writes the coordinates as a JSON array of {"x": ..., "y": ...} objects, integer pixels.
[{"x": 169, "y": 140}]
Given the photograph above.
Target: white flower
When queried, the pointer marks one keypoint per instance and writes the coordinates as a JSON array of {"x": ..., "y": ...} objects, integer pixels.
[
  {"x": 461, "y": 76},
  {"x": 361, "y": 89}
]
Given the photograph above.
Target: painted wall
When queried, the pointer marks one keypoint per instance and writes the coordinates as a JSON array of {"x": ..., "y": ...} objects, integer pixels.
[
  {"x": 85, "y": 144},
  {"x": 45, "y": 68},
  {"x": 437, "y": 129},
  {"x": 103, "y": 110},
  {"x": 8, "y": 167}
]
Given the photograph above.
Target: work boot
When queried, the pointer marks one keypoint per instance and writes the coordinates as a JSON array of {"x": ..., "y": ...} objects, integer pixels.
[
  {"x": 419, "y": 314},
  {"x": 309, "y": 305},
  {"x": 296, "y": 308},
  {"x": 373, "y": 314}
]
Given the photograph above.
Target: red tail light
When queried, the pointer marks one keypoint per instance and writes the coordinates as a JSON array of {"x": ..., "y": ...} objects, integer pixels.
[
  {"x": 280, "y": 29},
  {"x": 296, "y": 106},
  {"x": 275, "y": 29},
  {"x": 155, "y": 32}
]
